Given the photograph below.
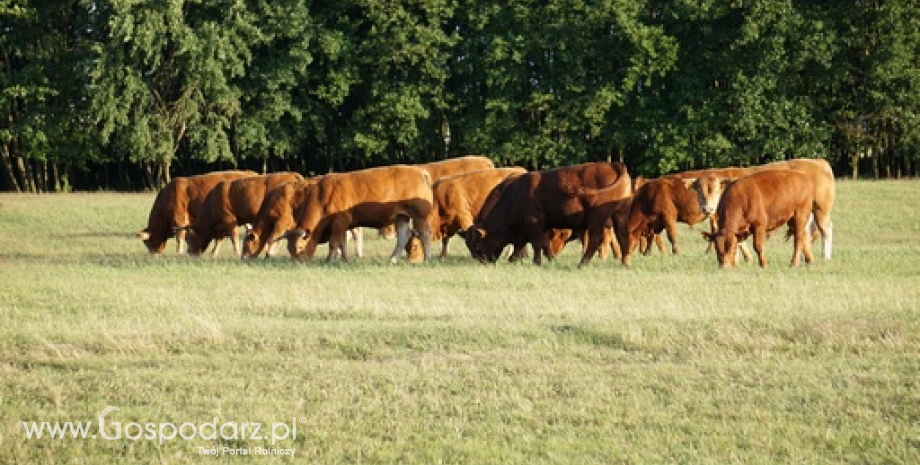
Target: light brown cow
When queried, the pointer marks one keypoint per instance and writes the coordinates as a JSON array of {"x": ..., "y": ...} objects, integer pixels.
[
  {"x": 760, "y": 203},
  {"x": 231, "y": 204},
  {"x": 458, "y": 199},
  {"x": 177, "y": 205},
  {"x": 368, "y": 198},
  {"x": 710, "y": 184},
  {"x": 276, "y": 216}
]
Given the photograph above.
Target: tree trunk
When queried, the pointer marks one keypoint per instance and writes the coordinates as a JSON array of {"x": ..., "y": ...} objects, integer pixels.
[
  {"x": 8, "y": 169},
  {"x": 25, "y": 174}
]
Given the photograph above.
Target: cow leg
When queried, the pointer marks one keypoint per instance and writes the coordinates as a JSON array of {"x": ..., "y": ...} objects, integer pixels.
[
  {"x": 595, "y": 238},
  {"x": 802, "y": 237},
  {"x": 517, "y": 252},
  {"x": 670, "y": 225},
  {"x": 180, "y": 241},
  {"x": 826, "y": 228},
  {"x": 358, "y": 235},
  {"x": 235, "y": 240},
  {"x": 645, "y": 245},
  {"x": 402, "y": 238},
  {"x": 745, "y": 251},
  {"x": 760, "y": 238},
  {"x": 423, "y": 229},
  {"x": 218, "y": 241},
  {"x": 713, "y": 227},
  {"x": 615, "y": 246}
]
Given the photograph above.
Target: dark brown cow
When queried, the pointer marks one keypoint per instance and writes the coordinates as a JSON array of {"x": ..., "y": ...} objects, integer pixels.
[
  {"x": 231, "y": 204},
  {"x": 458, "y": 199},
  {"x": 536, "y": 202},
  {"x": 369, "y": 198},
  {"x": 760, "y": 203},
  {"x": 177, "y": 205}
]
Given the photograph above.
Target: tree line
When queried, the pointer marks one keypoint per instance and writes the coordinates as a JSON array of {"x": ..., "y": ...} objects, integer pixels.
[{"x": 124, "y": 94}]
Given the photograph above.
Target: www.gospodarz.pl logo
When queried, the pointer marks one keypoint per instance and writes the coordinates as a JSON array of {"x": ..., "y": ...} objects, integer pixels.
[{"x": 161, "y": 432}]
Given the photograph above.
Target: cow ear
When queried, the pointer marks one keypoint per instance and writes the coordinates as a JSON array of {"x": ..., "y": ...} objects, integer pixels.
[
  {"x": 725, "y": 183},
  {"x": 248, "y": 228},
  {"x": 690, "y": 183}
]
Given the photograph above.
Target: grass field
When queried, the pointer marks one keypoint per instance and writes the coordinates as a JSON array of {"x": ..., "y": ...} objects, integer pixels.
[{"x": 671, "y": 361}]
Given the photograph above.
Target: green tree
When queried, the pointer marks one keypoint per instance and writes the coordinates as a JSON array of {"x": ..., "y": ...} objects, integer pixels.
[
  {"x": 162, "y": 79},
  {"x": 44, "y": 121}
]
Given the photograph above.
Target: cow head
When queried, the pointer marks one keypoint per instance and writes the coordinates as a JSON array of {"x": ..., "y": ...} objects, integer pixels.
[
  {"x": 251, "y": 246},
  {"x": 726, "y": 246},
  {"x": 197, "y": 243},
  {"x": 154, "y": 244},
  {"x": 556, "y": 239},
  {"x": 297, "y": 241},
  {"x": 709, "y": 189},
  {"x": 415, "y": 250},
  {"x": 482, "y": 245}
]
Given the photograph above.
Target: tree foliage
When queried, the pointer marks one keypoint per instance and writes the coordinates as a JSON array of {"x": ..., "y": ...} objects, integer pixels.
[{"x": 147, "y": 89}]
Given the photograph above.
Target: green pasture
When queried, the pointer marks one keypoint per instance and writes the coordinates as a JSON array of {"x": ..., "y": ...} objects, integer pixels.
[{"x": 671, "y": 361}]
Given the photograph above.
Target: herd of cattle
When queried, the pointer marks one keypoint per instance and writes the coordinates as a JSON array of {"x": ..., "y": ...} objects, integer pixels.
[{"x": 597, "y": 203}]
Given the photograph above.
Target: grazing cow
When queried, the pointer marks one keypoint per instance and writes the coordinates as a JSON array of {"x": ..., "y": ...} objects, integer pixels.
[
  {"x": 458, "y": 199},
  {"x": 536, "y": 202},
  {"x": 373, "y": 198},
  {"x": 231, "y": 204},
  {"x": 710, "y": 184},
  {"x": 177, "y": 205},
  {"x": 657, "y": 206},
  {"x": 760, "y": 203},
  {"x": 276, "y": 216}
]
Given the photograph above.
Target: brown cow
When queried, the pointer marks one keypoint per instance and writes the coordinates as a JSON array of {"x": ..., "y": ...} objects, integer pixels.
[
  {"x": 536, "y": 202},
  {"x": 276, "y": 216},
  {"x": 657, "y": 206},
  {"x": 760, "y": 203},
  {"x": 370, "y": 198},
  {"x": 177, "y": 205},
  {"x": 458, "y": 199},
  {"x": 710, "y": 184},
  {"x": 231, "y": 204}
]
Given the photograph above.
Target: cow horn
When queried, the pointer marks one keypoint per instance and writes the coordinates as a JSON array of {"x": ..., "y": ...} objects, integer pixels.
[
  {"x": 247, "y": 227},
  {"x": 481, "y": 232},
  {"x": 144, "y": 235}
]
